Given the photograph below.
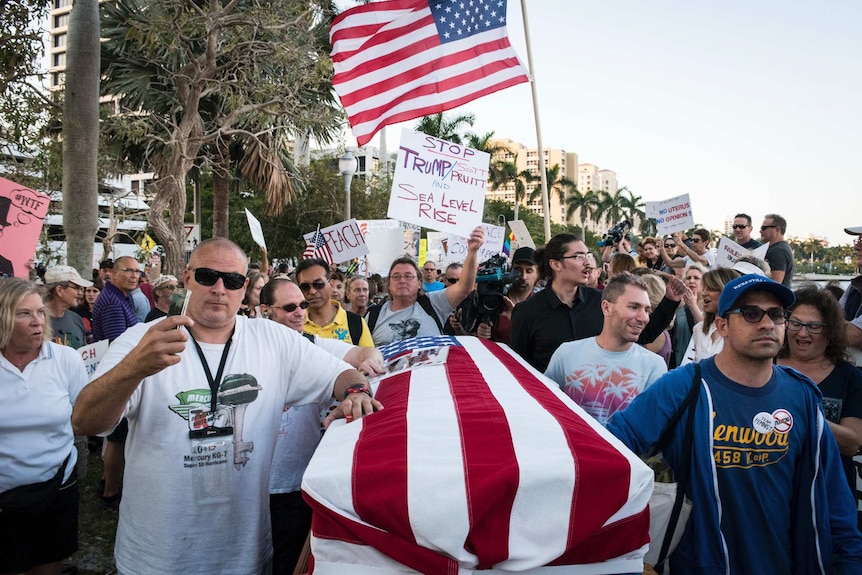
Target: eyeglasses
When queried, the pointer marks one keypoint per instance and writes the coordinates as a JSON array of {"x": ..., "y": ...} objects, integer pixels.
[
  {"x": 579, "y": 257},
  {"x": 451, "y": 280},
  {"x": 669, "y": 246},
  {"x": 208, "y": 277},
  {"x": 167, "y": 288},
  {"x": 740, "y": 226},
  {"x": 753, "y": 314},
  {"x": 429, "y": 269},
  {"x": 764, "y": 228},
  {"x": 316, "y": 284},
  {"x": 128, "y": 271},
  {"x": 399, "y": 277},
  {"x": 812, "y": 327},
  {"x": 291, "y": 307}
]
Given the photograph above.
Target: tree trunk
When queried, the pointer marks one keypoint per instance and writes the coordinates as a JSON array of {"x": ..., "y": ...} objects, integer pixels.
[
  {"x": 221, "y": 183},
  {"x": 81, "y": 136}
]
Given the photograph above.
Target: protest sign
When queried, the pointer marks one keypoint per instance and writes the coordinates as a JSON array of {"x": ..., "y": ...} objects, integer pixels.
[
  {"x": 438, "y": 184},
  {"x": 256, "y": 230},
  {"x": 457, "y": 246},
  {"x": 387, "y": 240},
  {"x": 672, "y": 215},
  {"x": 345, "y": 240},
  {"x": 92, "y": 354},
  {"x": 729, "y": 251},
  {"x": 522, "y": 236},
  {"x": 22, "y": 212}
]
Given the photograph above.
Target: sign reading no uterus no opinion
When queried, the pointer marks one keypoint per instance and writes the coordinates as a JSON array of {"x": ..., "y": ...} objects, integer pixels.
[{"x": 438, "y": 184}]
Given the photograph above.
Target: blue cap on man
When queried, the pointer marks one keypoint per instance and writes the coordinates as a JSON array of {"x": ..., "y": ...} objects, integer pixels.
[{"x": 738, "y": 287}]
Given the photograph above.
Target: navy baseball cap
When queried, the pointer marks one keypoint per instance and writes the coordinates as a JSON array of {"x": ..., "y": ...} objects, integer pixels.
[{"x": 740, "y": 286}]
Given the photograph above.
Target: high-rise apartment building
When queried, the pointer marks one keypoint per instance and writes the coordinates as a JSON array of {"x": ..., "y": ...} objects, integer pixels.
[{"x": 528, "y": 159}]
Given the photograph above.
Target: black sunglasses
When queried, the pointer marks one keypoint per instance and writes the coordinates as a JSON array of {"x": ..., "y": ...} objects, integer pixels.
[
  {"x": 452, "y": 280},
  {"x": 740, "y": 226},
  {"x": 208, "y": 277},
  {"x": 670, "y": 245},
  {"x": 753, "y": 314},
  {"x": 316, "y": 284},
  {"x": 291, "y": 307}
]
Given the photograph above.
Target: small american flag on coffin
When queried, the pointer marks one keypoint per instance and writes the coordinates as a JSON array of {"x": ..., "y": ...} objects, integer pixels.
[{"x": 476, "y": 463}]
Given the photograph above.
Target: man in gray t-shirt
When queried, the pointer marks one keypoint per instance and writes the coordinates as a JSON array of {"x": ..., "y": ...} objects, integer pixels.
[
  {"x": 63, "y": 285},
  {"x": 405, "y": 315},
  {"x": 779, "y": 256}
]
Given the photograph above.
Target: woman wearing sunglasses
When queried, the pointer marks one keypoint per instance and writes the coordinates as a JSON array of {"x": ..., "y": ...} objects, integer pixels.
[{"x": 815, "y": 345}]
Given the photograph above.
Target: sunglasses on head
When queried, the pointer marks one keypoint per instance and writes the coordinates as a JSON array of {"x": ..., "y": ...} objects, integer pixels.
[
  {"x": 291, "y": 307},
  {"x": 208, "y": 277},
  {"x": 316, "y": 284}
]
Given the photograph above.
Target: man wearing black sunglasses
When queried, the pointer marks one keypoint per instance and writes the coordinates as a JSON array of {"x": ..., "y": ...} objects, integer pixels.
[
  {"x": 742, "y": 232},
  {"x": 204, "y": 404},
  {"x": 282, "y": 301},
  {"x": 761, "y": 459},
  {"x": 326, "y": 316}
]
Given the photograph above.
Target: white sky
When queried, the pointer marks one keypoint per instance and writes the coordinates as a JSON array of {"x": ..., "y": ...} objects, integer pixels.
[{"x": 748, "y": 106}]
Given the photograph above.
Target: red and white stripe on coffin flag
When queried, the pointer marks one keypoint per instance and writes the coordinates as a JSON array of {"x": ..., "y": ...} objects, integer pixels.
[
  {"x": 476, "y": 463},
  {"x": 398, "y": 60},
  {"x": 318, "y": 249}
]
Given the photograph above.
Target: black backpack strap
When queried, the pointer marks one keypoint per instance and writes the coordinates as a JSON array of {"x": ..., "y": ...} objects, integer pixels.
[
  {"x": 690, "y": 405},
  {"x": 372, "y": 315},
  {"x": 354, "y": 326},
  {"x": 308, "y": 336},
  {"x": 425, "y": 302}
]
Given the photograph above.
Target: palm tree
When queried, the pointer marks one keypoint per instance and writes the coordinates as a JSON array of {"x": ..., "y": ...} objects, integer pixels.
[
  {"x": 445, "y": 127},
  {"x": 503, "y": 173},
  {"x": 586, "y": 204},
  {"x": 556, "y": 182},
  {"x": 613, "y": 206},
  {"x": 633, "y": 209}
]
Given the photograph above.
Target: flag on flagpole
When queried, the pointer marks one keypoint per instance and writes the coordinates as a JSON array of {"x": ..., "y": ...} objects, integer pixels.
[
  {"x": 397, "y": 60},
  {"x": 318, "y": 248}
]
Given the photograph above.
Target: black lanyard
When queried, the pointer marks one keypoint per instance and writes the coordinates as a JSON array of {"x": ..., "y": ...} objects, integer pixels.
[{"x": 214, "y": 383}]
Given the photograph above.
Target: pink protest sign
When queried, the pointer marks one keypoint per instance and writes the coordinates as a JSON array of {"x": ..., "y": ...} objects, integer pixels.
[{"x": 22, "y": 212}]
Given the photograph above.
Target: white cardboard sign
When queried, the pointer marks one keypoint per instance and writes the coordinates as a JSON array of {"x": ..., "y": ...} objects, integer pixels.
[
  {"x": 256, "y": 230},
  {"x": 438, "y": 184},
  {"x": 457, "y": 246},
  {"x": 729, "y": 251},
  {"x": 671, "y": 215},
  {"x": 345, "y": 240},
  {"x": 92, "y": 354},
  {"x": 522, "y": 235}
]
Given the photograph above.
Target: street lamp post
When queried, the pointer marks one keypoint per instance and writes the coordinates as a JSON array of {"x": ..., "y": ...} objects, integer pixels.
[{"x": 347, "y": 167}]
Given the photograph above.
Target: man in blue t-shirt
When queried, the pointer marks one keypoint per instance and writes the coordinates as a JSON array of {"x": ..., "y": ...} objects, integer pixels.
[{"x": 765, "y": 474}]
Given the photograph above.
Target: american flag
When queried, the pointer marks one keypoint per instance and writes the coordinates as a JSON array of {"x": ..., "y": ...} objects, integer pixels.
[
  {"x": 397, "y": 60},
  {"x": 318, "y": 249},
  {"x": 397, "y": 348},
  {"x": 475, "y": 463}
]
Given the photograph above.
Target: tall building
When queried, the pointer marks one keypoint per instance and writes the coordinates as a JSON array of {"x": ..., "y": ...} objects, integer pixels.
[
  {"x": 528, "y": 159},
  {"x": 608, "y": 181},
  {"x": 588, "y": 178}
]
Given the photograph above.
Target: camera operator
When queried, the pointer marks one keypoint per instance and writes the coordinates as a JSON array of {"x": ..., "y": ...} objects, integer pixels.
[{"x": 519, "y": 290}]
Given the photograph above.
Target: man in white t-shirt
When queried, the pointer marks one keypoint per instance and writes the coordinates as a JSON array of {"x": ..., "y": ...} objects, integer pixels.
[
  {"x": 299, "y": 433},
  {"x": 203, "y": 421},
  {"x": 410, "y": 313},
  {"x": 603, "y": 374}
]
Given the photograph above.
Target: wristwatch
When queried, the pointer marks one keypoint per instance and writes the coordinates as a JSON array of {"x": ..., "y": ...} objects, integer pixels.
[{"x": 358, "y": 388}]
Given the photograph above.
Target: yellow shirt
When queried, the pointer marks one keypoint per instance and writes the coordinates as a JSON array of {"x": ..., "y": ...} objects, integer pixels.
[{"x": 339, "y": 329}]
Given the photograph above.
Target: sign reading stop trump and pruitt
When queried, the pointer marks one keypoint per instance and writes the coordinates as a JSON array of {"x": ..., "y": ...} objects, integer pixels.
[{"x": 438, "y": 184}]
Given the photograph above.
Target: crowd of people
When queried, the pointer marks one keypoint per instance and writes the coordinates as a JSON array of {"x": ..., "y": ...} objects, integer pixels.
[{"x": 209, "y": 418}]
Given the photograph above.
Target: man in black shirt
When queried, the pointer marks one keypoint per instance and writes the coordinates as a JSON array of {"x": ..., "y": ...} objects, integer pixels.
[{"x": 568, "y": 310}]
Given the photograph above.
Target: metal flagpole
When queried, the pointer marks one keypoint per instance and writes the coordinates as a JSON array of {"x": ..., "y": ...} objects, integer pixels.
[{"x": 546, "y": 206}]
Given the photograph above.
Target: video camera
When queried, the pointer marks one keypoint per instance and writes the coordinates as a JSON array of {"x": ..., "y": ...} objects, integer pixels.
[
  {"x": 615, "y": 234},
  {"x": 485, "y": 304}
]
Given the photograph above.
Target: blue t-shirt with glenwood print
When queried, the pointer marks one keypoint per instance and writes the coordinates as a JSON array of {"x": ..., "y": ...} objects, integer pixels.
[{"x": 757, "y": 435}]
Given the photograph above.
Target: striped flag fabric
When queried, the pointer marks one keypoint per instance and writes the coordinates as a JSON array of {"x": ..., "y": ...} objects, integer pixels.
[
  {"x": 478, "y": 463},
  {"x": 397, "y": 60},
  {"x": 318, "y": 249}
]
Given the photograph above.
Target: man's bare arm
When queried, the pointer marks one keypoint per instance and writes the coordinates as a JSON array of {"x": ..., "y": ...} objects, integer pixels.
[
  {"x": 102, "y": 401},
  {"x": 465, "y": 284}
]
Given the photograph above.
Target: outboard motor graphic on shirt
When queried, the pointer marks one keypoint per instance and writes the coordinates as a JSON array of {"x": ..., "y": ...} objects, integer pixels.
[{"x": 237, "y": 391}]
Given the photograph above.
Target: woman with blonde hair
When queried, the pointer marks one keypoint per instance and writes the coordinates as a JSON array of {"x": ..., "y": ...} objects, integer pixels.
[
  {"x": 705, "y": 340},
  {"x": 39, "y": 383}
]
